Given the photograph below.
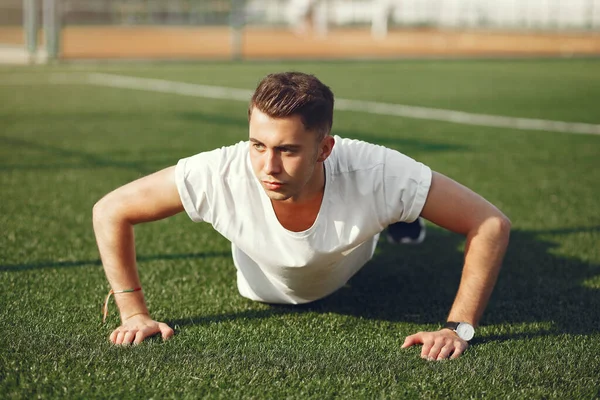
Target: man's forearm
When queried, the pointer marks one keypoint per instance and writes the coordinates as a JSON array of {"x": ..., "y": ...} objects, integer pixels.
[
  {"x": 115, "y": 239},
  {"x": 484, "y": 251}
]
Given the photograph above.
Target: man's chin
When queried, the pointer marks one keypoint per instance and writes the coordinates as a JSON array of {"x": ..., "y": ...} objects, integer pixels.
[{"x": 276, "y": 196}]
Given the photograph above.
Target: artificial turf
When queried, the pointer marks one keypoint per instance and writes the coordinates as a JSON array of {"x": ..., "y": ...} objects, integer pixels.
[{"x": 62, "y": 147}]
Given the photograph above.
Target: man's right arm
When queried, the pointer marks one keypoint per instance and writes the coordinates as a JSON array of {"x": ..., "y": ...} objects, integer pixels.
[{"x": 147, "y": 199}]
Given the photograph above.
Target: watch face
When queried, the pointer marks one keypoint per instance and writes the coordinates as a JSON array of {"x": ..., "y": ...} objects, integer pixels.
[{"x": 465, "y": 331}]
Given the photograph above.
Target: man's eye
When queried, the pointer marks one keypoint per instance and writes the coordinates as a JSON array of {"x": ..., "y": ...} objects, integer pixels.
[{"x": 258, "y": 146}]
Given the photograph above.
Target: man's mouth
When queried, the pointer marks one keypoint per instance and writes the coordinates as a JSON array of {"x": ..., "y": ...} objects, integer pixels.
[{"x": 272, "y": 185}]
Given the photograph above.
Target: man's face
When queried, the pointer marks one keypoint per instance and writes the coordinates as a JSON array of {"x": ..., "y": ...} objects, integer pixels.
[{"x": 284, "y": 156}]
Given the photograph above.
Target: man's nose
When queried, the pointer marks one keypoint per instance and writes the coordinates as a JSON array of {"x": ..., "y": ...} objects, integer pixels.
[{"x": 272, "y": 162}]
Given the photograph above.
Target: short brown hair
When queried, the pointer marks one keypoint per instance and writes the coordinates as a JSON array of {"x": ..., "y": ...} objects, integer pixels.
[{"x": 288, "y": 93}]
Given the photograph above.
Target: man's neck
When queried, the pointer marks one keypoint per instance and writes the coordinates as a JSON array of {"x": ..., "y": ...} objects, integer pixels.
[{"x": 300, "y": 214}]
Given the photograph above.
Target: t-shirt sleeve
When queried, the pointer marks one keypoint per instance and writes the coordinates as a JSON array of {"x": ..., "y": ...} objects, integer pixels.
[
  {"x": 407, "y": 184},
  {"x": 195, "y": 177}
]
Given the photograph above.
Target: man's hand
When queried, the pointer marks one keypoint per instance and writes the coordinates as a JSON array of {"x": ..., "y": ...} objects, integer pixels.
[
  {"x": 438, "y": 345},
  {"x": 150, "y": 198},
  {"x": 139, "y": 327}
]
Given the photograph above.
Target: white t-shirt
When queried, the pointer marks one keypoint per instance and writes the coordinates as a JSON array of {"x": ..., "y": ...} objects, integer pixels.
[{"x": 367, "y": 187}]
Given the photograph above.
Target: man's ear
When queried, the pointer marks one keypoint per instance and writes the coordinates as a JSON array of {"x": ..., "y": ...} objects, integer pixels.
[{"x": 325, "y": 148}]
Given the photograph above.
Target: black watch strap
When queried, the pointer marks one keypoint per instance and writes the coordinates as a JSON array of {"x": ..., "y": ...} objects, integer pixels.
[
  {"x": 451, "y": 325},
  {"x": 464, "y": 330}
]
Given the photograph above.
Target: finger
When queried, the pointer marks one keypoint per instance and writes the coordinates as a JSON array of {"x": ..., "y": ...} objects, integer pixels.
[
  {"x": 113, "y": 336},
  {"x": 165, "y": 330},
  {"x": 412, "y": 340},
  {"x": 427, "y": 345},
  {"x": 445, "y": 352},
  {"x": 119, "y": 338},
  {"x": 459, "y": 349},
  {"x": 435, "y": 350},
  {"x": 141, "y": 335},
  {"x": 145, "y": 333},
  {"x": 128, "y": 337}
]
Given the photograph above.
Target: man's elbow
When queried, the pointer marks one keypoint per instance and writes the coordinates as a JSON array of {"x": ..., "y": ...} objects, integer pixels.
[
  {"x": 105, "y": 210},
  {"x": 98, "y": 212},
  {"x": 500, "y": 225}
]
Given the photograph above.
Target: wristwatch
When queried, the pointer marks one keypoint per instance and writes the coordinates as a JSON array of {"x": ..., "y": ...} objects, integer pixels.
[{"x": 464, "y": 330}]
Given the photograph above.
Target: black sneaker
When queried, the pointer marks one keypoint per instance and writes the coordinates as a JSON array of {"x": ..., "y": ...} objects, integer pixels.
[{"x": 406, "y": 232}]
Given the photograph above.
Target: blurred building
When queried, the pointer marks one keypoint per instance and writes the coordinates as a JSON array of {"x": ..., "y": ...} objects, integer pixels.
[{"x": 283, "y": 28}]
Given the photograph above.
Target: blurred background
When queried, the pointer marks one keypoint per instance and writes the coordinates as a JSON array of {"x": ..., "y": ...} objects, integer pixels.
[{"x": 46, "y": 30}]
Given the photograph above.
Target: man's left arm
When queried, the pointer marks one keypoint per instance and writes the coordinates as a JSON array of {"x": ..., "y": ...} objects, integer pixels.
[{"x": 458, "y": 209}]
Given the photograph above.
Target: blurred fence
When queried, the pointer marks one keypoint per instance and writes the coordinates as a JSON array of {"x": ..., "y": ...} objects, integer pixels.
[{"x": 76, "y": 29}]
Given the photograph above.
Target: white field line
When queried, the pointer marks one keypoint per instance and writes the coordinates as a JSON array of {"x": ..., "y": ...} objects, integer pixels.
[
  {"x": 399, "y": 110},
  {"x": 163, "y": 86},
  {"x": 31, "y": 79},
  {"x": 466, "y": 118}
]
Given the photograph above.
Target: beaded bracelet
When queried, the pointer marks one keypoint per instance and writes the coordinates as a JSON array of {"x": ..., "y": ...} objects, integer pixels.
[{"x": 105, "y": 308}]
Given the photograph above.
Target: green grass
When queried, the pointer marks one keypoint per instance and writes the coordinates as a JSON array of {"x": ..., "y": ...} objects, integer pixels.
[{"x": 64, "y": 146}]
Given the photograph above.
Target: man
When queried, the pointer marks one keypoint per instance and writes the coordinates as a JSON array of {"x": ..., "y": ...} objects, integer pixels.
[
  {"x": 309, "y": 16},
  {"x": 303, "y": 211},
  {"x": 381, "y": 12}
]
